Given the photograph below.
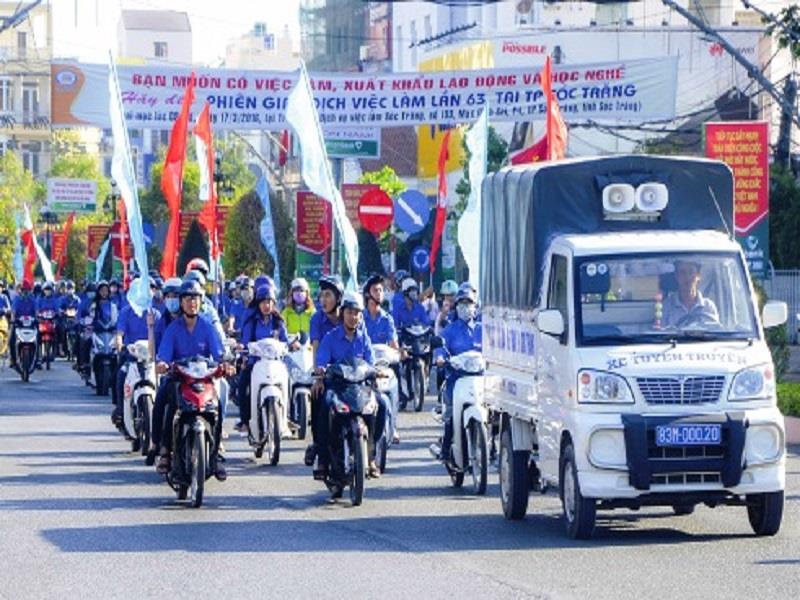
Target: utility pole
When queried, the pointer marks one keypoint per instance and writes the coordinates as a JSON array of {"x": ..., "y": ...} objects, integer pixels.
[
  {"x": 753, "y": 71},
  {"x": 783, "y": 151}
]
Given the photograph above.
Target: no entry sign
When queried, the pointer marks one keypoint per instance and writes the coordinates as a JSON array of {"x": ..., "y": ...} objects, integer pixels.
[{"x": 375, "y": 211}]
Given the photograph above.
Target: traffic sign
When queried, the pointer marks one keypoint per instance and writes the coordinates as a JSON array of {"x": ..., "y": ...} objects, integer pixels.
[
  {"x": 412, "y": 211},
  {"x": 420, "y": 259},
  {"x": 375, "y": 211}
]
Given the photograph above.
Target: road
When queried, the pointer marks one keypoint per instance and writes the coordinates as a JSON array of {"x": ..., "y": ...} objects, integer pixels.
[{"x": 81, "y": 516}]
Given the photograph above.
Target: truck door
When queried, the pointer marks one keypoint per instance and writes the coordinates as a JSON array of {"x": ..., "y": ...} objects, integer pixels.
[{"x": 553, "y": 368}]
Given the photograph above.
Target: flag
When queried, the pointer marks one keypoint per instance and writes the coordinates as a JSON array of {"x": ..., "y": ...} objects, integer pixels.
[
  {"x": 283, "y": 153},
  {"x": 101, "y": 258},
  {"x": 267, "y": 228},
  {"x": 555, "y": 128},
  {"x": 19, "y": 267},
  {"x": 535, "y": 153},
  {"x": 172, "y": 180},
  {"x": 204, "y": 143},
  {"x": 469, "y": 225},
  {"x": 62, "y": 259},
  {"x": 139, "y": 294},
  {"x": 34, "y": 249},
  {"x": 122, "y": 241},
  {"x": 441, "y": 201},
  {"x": 301, "y": 113}
]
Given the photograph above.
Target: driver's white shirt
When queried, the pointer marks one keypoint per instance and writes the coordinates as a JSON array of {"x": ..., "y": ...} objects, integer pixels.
[{"x": 703, "y": 309}]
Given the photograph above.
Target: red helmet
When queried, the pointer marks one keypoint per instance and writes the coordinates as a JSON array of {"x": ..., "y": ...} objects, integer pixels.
[{"x": 26, "y": 286}]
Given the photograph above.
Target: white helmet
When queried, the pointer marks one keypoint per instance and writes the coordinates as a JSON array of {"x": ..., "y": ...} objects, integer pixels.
[
  {"x": 299, "y": 283},
  {"x": 409, "y": 283},
  {"x": 352, "y": 300}
]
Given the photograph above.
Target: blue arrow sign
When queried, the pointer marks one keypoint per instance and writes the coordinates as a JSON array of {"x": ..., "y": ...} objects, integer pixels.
[
  {"x": 420, "y": 259},
  {"x": 412, "y": 211}
]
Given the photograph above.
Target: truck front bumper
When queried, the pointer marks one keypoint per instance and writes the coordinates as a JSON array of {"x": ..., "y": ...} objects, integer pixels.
[{"x": 618, "y": 459}]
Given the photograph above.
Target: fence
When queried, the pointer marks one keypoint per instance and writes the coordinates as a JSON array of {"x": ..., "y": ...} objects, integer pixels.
[{"x": 785, "y": 285}]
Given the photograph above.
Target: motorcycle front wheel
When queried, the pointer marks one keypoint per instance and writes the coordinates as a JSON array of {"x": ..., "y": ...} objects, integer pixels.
[
  {"x": 199, "y": 459},
  {"x": 358, "y": 458},
  {"x": 301, "y": 404},
  {"x": 478, "y": 453},
  {"x": 419, "y": 385},
  {"x": 25, "y": 360},
  {"x": 146, "y": 414}
]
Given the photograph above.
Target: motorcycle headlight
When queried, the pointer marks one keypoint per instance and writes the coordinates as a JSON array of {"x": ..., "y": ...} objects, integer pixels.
[
  {"x": 755, "y": 383},
  {"x": 340, "y": 407},
  {"x": 600, "y": 387}
]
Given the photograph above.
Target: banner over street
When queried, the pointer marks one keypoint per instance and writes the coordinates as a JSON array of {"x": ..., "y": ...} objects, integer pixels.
[{"x": 630, "y": 90}]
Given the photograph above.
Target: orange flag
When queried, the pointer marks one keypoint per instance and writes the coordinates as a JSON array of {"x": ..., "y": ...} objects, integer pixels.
[
  {"x": 62, "y": 259},
  {"x": 555, "y": 127},
  {"x": 204, "y": 142},
  {"x": 441, "y": 201}
]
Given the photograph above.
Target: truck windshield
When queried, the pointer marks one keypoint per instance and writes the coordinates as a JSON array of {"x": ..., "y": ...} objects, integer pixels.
[{"x": 634, "y": 299}]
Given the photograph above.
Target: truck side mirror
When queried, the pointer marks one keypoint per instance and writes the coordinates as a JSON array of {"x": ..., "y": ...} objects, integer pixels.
[
  {"x": 775, "y": 313},
  {"x": 437, "y": 342},
  {"x": 551, "y": 322}
]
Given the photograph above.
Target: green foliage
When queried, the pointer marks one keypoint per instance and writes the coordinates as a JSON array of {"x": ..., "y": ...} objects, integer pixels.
[
  {"x": 386, "y": 179},
  {"x": 496, "y": 159},
  {"x": 784, "y": 219},
  {"x": 244, "y": 252},
  {"x": 789, "y": 399},
  {"x": 777, "y": 339},
  {"x": 194, "y": 246},
  {"x": 75, "y": 265},
  {"x": 17, "y": 186},
  {"x": 787, "y": 29}
]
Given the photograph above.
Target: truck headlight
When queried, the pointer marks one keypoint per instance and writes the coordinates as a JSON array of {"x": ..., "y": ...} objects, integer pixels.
[
  {"x": 755, "y": 383},
  {"x": 603, "y": 388},
  {"x": 607, "y": 449},
  {"x": 764, "y": 444}
]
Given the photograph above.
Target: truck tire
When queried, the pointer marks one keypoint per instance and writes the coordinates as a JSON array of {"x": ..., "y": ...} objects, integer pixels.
[
  {"x": 765, "y": 512},
  {"x": 580, "y": 513},
  {"x": 514, "y": 478}
]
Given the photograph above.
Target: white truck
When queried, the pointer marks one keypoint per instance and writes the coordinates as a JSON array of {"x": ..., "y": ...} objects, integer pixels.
[{"x": 627, "y": 363}]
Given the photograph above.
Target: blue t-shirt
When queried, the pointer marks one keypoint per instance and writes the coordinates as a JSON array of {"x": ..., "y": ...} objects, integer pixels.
[
  {"x": 161, "y": 326},
  {"x": 459, "y": 337},
  {"x": 257, "y": 329},
  {"x": 24, "y": 306},
  {"x": 71, "y": 301},
  {"x": 335, "y": 347},
  {"x": 236, "y": 310},
  {"x": 405, "y": 317},
  {"x": 320, "y": 326},
  {"x": 48, "y": 303},
  {"x": 104, "y": 314},
  {"x": 380, "y": 329},
  {"x": 178, "y": 343},
  {"x": 133, "y": 327}
]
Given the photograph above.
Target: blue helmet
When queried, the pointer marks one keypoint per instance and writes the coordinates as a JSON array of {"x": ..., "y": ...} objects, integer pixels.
[
  {"x": 266, "y": 292},
  {"x": 191, "y": 288},
  {"x": 466, "y": 293}
]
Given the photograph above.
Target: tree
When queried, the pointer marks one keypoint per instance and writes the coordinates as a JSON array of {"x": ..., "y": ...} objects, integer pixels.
[
  {"x": 244, "y": 252},
  {"x": 194, "y": 246},
  {"x": 370, "y": 247},
  {"x": 17, "y": 186},
  {"x": 786, "y": 27},
  {"x": 71, "y": 160},
  {"x": 385, "y": 178}
]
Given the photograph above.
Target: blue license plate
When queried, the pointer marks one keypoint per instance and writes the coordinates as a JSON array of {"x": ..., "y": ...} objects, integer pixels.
[{"x": 688, "y": 435}]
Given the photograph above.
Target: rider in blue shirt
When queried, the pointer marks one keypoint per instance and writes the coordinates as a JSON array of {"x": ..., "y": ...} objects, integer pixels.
[
  {"x": 187, "y": 337},
  {"x": 379, "y": 323},
  {"x": 410, "y": 311},
  {"x": 172, "y": 307},
  {"x": 48, "y": 300},
  {"x": 327, "y": 318},
  {"x": 462, "y": 335},
  {"x": 24, "y": 305}
]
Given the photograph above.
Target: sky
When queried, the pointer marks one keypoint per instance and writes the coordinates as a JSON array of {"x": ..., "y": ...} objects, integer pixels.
[{"x": 214, "y": 23}]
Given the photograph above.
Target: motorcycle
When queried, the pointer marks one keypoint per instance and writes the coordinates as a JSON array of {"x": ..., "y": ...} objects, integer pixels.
[
  {"x": 4, "y": 335},
  {"x": 139, "y": 394},
  {"x": 27, "y": 345},
  {"x": 71, "y": 335},
  {"x": 301, "y": 367},
  {"x": 469, "y": 452},
  {"x": 47, "y": 336},
  {"x": 385, "y": 358},
  {"x": 416, "y": 341},
  {"x": 85, "y": 341},
  {"x": 194, "y": 450},
  {"x": 103, "y": 358},
  {"x": 352, "y": 384},
  {"x": 269, "y": 382}
]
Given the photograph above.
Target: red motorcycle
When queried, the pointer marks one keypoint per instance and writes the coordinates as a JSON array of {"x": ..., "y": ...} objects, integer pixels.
[
  {"x": 47, "y": 336},
  {"x": 194, "y": 428}
]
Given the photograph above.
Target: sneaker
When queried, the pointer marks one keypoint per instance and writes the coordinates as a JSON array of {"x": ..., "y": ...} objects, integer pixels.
[
  {"x": 240, "y": 427},
  {"x": 220, "y": 473},
  {"x": 164, "y": 464},
  {"x": 150, "y": 459},
  {"x": 311, "y": 454},
  {"x": 116, "y": 417}
]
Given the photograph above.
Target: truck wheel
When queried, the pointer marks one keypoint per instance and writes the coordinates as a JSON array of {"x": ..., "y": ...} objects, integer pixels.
[
  {"x": 579, "y": 513},
  {"x": 514, "y": 478},
  {"x": 765, "y": 512}
]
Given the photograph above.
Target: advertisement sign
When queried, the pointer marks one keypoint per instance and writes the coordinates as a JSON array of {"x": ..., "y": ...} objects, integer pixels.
[
  {"x": 67, "y": 195},
  {"x": 353, "y": 142},
  {"x": 95, "y": 236},
  {"x": 744, "y": 146},
  {"x": 629, "y": 90},
  {"x": 187, "y": 216},
  {"x": 351, "y": 194},
  {"x": 58, "y": 240},
  {"x": 314, "y": 223}
]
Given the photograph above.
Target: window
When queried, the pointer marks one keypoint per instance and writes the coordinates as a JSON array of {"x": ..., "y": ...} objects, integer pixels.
[
  {"x": 557, "y": 296},
  {"x": 6, "y": 95},
  {"x": 22, "y": 43},
  {"x": 160, "y": 49},
  {"x": 30, "y": 100},
  {"x": 428, "y": 27},
  {"x": 400, "y": 48},
  {"x": 30, "y": 160},
  {"x": 269, "y": 42}
]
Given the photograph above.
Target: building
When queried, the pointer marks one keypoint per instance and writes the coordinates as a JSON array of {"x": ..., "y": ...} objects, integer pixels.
[
  {"x": 333, "y": 33},
  {"x": 25, "y": 54},
  {"x": 262, "y": 48},
  {"x": 156, "y": 36}
]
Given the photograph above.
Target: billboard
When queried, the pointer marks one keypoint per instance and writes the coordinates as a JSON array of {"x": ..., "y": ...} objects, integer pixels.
[{"x": 68, "y": 195}]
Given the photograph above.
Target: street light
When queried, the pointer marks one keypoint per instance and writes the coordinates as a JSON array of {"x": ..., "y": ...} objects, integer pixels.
[
  {"x": 111, "y": 200},
  {"x": 49, "y": 218}
]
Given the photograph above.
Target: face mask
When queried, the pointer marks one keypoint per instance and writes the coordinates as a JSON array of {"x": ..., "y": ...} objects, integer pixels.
[
  {"x": 414, "y": 295},
  {"x": 173, "y": 304},
  {"x": 299, "y": 297},
  {"x": 465, "y": 312}
]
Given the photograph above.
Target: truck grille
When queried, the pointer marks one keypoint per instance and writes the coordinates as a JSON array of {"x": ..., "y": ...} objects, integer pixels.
[
  {"x": 685, "y": 478},
  {"x": 681, "y": 389}
]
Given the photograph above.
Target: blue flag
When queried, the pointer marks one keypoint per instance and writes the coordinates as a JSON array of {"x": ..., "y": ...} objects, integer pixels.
[
  {"x": 267, "y": 228},
  {"x": 101, "y": 258}
]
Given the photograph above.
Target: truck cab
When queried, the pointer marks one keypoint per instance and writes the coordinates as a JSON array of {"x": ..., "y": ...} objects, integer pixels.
[{"x": 638, "y": 376}]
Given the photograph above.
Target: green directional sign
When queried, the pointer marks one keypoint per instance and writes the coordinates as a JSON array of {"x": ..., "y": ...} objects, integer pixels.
[{"x": 353, "y": 148}]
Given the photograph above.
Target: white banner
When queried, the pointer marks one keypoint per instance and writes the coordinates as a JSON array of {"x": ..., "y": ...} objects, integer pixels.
[{"x": 632, "y": 90}]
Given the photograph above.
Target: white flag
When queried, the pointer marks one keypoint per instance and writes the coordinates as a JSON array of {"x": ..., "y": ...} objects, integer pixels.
[
  {"x": 27, "y": 225},
  {"x": 469, "y": 226},
  {"x": 301, "y": 113}
]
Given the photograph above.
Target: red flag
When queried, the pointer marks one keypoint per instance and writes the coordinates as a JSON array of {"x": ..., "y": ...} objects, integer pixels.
[
  {"x": 205, "y": 143},
  {"x": 283, "y": 154},
  {"x": 62, "y": 259},
  {"x": 27, "y": 241},
  {"x": 555, "y": 127},
  {"x": 172, "y": 180},
  {"x": 441, "y": 202},
  {"x": 123, "y": 241},
  {"x": 535, "y": 153}
]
